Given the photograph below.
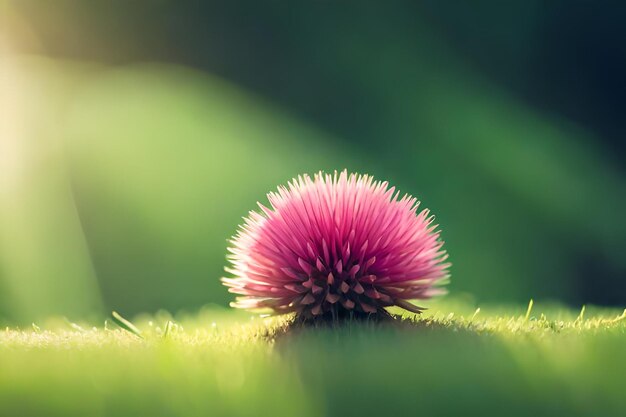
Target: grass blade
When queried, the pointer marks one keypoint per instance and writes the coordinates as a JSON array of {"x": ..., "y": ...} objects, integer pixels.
[{"x": 125, "y": 324}]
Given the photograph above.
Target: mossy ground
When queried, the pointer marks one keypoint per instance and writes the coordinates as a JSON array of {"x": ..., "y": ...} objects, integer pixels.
[{"x": 455, "y": 359}]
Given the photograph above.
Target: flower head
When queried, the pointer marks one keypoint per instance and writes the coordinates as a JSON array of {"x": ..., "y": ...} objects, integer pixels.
[{"x": 334, "y": 244}]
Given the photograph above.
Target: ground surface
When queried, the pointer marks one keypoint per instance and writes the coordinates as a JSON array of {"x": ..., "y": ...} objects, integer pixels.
[{"x": 454, "y": 360}]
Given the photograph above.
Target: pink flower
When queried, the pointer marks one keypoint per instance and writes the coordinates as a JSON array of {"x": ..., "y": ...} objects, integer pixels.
[{"x": 335, "y": 244}]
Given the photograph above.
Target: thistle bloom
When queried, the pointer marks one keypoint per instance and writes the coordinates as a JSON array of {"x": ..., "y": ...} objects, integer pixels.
[{"x": 335, "y": 244}]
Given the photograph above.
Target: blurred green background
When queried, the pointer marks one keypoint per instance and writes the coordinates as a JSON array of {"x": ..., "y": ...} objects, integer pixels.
[{"x": 135, "y": 135}]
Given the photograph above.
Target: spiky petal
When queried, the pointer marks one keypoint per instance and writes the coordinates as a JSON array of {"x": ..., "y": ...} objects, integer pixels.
[{"x": 334, "y": 244}]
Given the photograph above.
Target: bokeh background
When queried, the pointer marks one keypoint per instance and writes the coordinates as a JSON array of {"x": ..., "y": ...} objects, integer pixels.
[{"x": 135, "y": 135}]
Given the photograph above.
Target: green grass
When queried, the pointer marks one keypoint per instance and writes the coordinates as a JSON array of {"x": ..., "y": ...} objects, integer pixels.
[{"x": 453, "y": 360}]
